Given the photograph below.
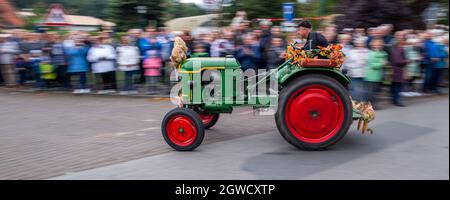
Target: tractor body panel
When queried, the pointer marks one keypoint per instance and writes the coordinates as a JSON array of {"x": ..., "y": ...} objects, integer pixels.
[
  {"x": 232, "y": 92},
  {"x": 226, "y": 70},
  {"x": 196, "y": 65}
]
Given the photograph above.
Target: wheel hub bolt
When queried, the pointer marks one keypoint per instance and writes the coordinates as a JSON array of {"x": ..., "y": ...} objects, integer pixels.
[
  {"x": 181, "y": 130},
  {"x": 314, "y": 114}
]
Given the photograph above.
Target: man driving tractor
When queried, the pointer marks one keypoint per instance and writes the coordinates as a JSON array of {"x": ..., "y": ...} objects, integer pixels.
[{"x": 314, "y": 40}]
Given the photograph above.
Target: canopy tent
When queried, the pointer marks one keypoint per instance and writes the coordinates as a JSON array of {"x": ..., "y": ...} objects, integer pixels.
[{"x": 189, "y": 23}]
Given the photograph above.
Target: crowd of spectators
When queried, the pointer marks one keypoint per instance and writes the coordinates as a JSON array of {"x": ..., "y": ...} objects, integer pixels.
[{"x": 411, "y": 62}]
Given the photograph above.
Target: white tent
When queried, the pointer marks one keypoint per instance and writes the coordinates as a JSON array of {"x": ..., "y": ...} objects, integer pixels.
[{"x": 189, "y": 23}]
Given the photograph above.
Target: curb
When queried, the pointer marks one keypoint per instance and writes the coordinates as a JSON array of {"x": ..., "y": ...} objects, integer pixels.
[
  {"x": 166, "y": 97},
  {"x": 59, "y": 92}
]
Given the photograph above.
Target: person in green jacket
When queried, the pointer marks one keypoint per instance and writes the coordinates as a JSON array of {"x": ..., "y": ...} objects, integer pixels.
[{"x": 374, "y": 70}]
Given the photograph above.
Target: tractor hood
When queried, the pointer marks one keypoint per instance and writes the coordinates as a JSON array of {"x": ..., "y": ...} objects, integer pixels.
[{"x": 195, "y": 65}]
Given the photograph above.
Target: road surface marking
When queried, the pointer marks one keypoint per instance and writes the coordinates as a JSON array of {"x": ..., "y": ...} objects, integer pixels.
[
  {"x": 119, "y": 134},
  {"x": 150, "y": 120}
]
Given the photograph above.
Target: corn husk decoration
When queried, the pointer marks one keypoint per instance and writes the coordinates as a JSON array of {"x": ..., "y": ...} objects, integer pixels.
[
  {"x": 367, "y": 115},
  {"x": 178, "y": 52}
]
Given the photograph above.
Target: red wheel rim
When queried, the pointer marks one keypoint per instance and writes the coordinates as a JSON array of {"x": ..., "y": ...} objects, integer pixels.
[
  {"x": 206, "y": 118},
  {"x": 314, "y": 114},
  {"x": 181, "y": 130}
]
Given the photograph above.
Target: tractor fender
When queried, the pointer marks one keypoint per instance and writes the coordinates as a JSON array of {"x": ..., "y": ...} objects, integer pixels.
[{"x": 285, "y": 77}]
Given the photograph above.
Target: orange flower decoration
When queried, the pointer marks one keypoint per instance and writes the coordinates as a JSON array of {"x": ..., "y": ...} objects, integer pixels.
[{"x": 332, "y": 52}]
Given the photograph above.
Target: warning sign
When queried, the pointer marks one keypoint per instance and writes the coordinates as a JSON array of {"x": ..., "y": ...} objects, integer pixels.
[{"x": 55, "y": 16}]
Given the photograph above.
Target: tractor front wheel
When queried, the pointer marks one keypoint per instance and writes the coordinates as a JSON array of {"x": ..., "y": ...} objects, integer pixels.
[
  {"x": 314, "y": 112},
  {"x": 183, "y": 129}
]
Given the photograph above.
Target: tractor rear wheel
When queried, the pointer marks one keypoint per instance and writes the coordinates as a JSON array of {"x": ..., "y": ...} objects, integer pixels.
[
  {"x": 209, "y": 119},
  {"x": 183, "y": 129},
  {"x": 314, "y": 112}
]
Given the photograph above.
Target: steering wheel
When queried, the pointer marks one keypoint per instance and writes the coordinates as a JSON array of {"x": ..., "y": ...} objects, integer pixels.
[{"x": 293, "y": 45}]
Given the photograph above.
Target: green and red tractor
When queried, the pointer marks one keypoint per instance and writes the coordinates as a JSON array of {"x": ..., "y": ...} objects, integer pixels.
[{"x": 313, "y": 107}]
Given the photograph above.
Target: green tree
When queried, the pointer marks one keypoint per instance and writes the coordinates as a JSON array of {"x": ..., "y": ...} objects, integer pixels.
[
  {"x": 175, "y": 9},
  {"x": 444, "y": 19},
  {"x": 273, "y": 9},
  {"x": 125, "y": 13},
  {"x": 255, "y": 9},
  {"x": 79, "y": 7},
  {"x": 40, "y": 10},
  {"x": 261, "y": 9},
  {"x": 402, "y": 14}
]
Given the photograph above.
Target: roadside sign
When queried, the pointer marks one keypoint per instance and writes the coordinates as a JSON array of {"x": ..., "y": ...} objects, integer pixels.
[
  {"x": 288, "y": 11},
  {"x": 55, "y": 16},
  {"x": 288, "y": 14}
]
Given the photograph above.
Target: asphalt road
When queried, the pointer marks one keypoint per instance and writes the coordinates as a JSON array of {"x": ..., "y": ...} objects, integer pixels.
[
  {"x": 66, "y": 137},
  {"x": 46, "y": 135}
]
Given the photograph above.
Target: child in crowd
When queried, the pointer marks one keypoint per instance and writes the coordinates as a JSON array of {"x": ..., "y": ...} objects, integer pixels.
[
  {"x": 152, "y": 66},
  {"x": 47, "y": 71},
  {"x": 378, "y": 59},
  {"x": 128, "y": 58},
  {"x": 34, "y": 62},
  {"x": 21, "y": 68},
  {"x": 199, "y": 51}
]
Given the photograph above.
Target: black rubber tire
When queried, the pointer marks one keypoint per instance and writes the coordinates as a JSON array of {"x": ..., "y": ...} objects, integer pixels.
[
  {"x": 212, "y": 122},
  {"x": 303, "y": 81},
  {"x": 198, "y": 125}
]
